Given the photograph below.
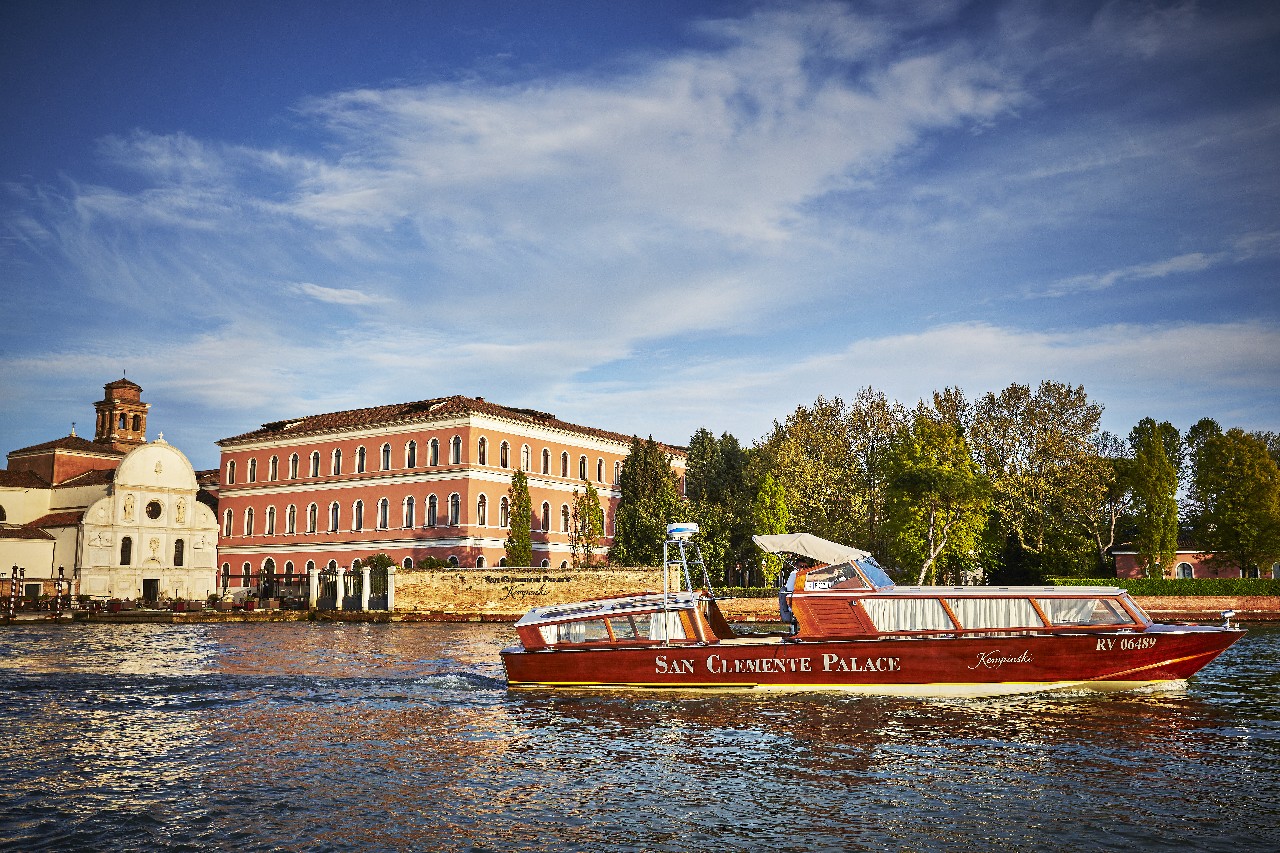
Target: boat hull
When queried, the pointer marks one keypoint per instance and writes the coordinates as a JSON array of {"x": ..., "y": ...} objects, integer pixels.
[{"x": 955, "y": 666}]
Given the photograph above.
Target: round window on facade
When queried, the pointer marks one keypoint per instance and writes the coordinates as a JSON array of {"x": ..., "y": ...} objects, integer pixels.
[{"x": 154, "y": 509}]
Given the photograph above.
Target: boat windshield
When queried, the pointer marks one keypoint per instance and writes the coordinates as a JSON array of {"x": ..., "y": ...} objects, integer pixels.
[
  {"x": 838, "y": 576},
  {"x": 878, "y": 577}
]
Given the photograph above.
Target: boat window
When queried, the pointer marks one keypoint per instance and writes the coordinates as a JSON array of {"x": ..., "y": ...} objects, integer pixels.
[
  {"x": 651, "y": 625},
  {"x": 1084, "y": 611},
  {"x": 890, "y": 615},
  {"x": 583, "y": 631},
  {"x": 878, "y": 577},
  {"x": 623, "y": 628},
  {"x": 837, "y": 576},
  {"x": 978, "y": 613}
]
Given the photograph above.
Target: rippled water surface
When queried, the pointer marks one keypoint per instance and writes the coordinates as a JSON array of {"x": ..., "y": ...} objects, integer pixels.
[{"x": 302, "y": 736}]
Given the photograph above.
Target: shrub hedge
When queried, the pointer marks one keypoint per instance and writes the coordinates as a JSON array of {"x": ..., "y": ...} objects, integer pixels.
[
  {"x": 747, "y": 592},
  {"x": 1179, "y": 587}
]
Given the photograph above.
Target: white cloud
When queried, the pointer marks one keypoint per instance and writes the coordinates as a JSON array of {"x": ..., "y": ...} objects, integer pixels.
[{"x": 335, "y": 295}]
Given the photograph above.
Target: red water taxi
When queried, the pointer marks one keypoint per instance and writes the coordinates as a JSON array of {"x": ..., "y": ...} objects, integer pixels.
[{"x": 852, "y": 629}]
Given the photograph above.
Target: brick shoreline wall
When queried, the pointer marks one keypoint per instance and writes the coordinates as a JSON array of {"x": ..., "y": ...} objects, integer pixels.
[{"x": 505, "y": 594}]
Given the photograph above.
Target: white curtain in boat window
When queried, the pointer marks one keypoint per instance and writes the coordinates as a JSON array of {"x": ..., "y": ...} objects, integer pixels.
[
  {"x": 907, "y": 614},
  {"x": 1083, "y": 611},
  {"x": 977, "y": 613}
]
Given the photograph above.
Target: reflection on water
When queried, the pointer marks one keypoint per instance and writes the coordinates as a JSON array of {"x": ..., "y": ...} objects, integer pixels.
[{"x": 403, "y": 737}]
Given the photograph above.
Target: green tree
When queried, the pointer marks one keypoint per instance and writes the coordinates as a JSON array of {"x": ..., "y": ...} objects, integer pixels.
[
  {"x": 648, "y": 502},
  {"x": 1037, "y": 451},
  {"x": 717, "y": 486},
  {"x": 769, "y": 516},
  {"x": 1153, "y": 481},
  {"x": 519, "y": 544},
  {"x": 937, "y": 499},
  {"x": 586, "y": 527},
  {"x": 1234, "y": 498},
  {"x": 1112, "y": 497}
]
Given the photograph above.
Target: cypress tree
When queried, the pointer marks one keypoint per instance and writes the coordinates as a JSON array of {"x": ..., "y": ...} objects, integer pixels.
[{"x": 519, "y": 545}]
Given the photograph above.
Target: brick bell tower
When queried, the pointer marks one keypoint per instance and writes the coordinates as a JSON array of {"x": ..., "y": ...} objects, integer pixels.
[{"x": 122, "y": 416}]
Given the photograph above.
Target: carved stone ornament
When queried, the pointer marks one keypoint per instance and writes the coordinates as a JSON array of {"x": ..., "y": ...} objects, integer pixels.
[
  {"x": 154, "y": 545},
  {"x": 159, "y": 468}
]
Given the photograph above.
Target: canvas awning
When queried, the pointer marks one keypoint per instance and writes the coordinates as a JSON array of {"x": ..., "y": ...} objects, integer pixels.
[{"x": 808, "y": 545}]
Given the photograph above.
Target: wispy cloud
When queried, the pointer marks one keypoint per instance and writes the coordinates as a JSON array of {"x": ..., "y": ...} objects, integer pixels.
[{"x": 335, "y": 295}]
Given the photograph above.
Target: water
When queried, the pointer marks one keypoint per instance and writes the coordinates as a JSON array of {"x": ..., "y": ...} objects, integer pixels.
[{"x": 304, "y": 736}]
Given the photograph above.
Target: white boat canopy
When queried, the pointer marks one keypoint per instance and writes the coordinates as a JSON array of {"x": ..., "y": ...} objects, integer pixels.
[{"x": 808, "y": 545}]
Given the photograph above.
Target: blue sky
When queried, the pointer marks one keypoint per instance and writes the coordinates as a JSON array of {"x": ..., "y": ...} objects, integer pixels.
[{"x": 643, "y": 216}]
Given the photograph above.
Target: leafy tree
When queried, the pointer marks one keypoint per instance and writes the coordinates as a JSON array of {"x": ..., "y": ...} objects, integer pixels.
[
  {"x": 769, "y": 516},
  {"x": 1112, "y": 497},
  {"x": 1234, "y": 498},
  {"x": 1153, "y": 481},
  {"x": 937, "y": 498},
  {"x": 717, "y": 485},
  {"x": 519, "y": 544},
  {"x": 586, "y": 527},
  {"x": 648, "y": 502},
  {"x": 1037, "y": 450}
]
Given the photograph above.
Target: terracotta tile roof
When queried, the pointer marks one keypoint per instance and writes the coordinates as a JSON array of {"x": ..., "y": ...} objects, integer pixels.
[
  {"x": 70, "y": 442},
  {"x": 69, "y": 518},
  {"x": 22, "y": 480},
  {"x": 26, "y": 532},
  {"x": 96, "y": 477},
  {"x": 122, "y": 383},
  {"x": 210, "y": 478},
  {"x": 421, "y": 411}
]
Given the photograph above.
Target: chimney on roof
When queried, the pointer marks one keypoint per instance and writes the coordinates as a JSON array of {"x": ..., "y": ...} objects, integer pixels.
[{"x": 480, "y": 399}]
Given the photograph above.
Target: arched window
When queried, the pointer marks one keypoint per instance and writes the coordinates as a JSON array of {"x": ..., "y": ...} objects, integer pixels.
[
  {"x": 479, "y": 562},
  {"x": 411, "y": 455},
  {"x": 231, "y": 472},
  {"x": 617, "y": 473},
  {"x": 599, "y": 470},
  {"x": 126, "y": 551},
  {"x": 564, "y": 518},
  {"x": 504, "y": 455},
  {"x": 226, "y": 575},
  {"x": 293, "y": 467},
  {"x": 137, "y": 423},
  {"x": 432, "y": 510},
  {"x": 384, "y": 514},
  {"x": 226, "y": 523},
  {"x": 433, "y": 452},
  {"x": 124, "y": 422},
  {"x": 313, "y": 518},
  {"x": 453, "y": 560},
  {"x": 546, "y": 516},
  {"x": 271, "y": 521},
  {"x": 504, "y": 512},
  {"x": 482, "y": 510},
  {"x": 248, "y": 521},
  {"x": 311, "y": 567},
  {"x": 315, "y": 463},
  {"x": 246, "y": 575},
  {"x": 545, "y": 563},
  {"x": 1185, "y": 570},
  {"x": 502, "y": 562},
  {"x": 288, "y": 571},
  {"x": 385, "y": 460},
  {"x": 582, "y": 467},
  {"x": 3, "y": 517},
  {"x": 357, "y": 515},
  {"x": 333, "y": 566},
  {"x": 409, "y": 515},
  {"x": 407, "y": 563},
  {"x": 455, "y": 450},
  {"x": 564, "y": 564},
  {"x": 564, "y": 464},
  {"x": 482, "y": 451},
  {"x": 546, "y": 461},
  {"x": 360, "y": 459},
  {"x": 524, "y": 459},
  {"x": 337, "y": 461},
  {"x": 269, "y": 570},
  {"x": 455, "y": 509},
  {"x": 273, "y": 468},
  {"x": 333, "y": 517},
  {"x": 253, "y": 470},
  {"x": 291, "y": 520}
]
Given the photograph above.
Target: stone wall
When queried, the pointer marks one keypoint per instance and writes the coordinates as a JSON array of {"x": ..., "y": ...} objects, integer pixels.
[
  {"x": 1202, "y": 608},
  {"x": 507, "y": 593}
]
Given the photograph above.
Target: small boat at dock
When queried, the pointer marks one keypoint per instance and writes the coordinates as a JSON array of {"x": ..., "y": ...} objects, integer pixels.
[{"x": 852, "y": 629}]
